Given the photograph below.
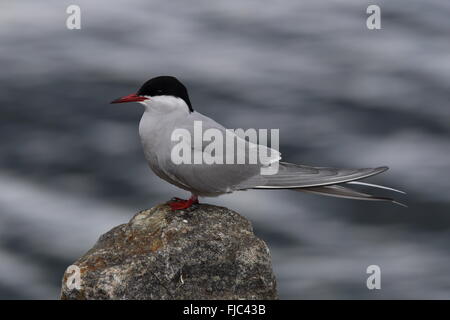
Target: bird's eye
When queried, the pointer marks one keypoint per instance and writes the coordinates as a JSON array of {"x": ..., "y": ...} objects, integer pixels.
[{"x": 159, "y": 91}]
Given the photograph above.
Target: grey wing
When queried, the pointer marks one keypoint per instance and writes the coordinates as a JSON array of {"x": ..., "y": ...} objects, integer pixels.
[
  {"x": 292, "y": 176},
  {"x": 321, "y": 180},
  {"x": 210, "y": 179}
]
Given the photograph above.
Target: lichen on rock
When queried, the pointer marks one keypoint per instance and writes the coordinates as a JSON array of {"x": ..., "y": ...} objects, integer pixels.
[{"x": 208, "y": 253}]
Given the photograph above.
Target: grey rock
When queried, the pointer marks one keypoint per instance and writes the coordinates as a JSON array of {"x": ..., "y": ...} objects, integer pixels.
[{"x": 207, "y": 253}]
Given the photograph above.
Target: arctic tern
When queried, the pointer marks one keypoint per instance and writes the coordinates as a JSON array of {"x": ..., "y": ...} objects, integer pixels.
[{"x": 168, "y": 107}]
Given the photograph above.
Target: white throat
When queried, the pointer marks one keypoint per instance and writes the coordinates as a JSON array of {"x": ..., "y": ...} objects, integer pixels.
[{"x": 161, "y": 115}]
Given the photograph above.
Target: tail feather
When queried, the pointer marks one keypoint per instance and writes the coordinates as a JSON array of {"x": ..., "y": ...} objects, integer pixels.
[
  {"x": 375, "y": 186},
  {"x": 292, "y": 175},
  {"x": 339, "y": 191}
]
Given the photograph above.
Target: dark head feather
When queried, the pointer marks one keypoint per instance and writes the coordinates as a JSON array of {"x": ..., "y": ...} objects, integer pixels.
[{"x": 165, "y": 86}]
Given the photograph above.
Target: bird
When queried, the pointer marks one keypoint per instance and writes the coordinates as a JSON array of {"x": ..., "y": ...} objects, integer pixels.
[{"x": 167, "y": 107}]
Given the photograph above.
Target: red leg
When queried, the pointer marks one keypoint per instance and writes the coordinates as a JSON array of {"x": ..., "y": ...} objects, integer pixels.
[{"x": 183, "y": 204}]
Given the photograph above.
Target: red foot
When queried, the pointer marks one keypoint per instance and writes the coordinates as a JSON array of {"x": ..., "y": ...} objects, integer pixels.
[{"x": 183, "y": 204}]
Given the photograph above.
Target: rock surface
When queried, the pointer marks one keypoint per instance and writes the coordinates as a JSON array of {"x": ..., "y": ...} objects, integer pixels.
[{"x": 208, "y": 253}]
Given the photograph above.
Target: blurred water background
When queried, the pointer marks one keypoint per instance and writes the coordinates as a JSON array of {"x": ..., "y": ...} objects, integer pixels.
[{"x": 71, "y": 165}]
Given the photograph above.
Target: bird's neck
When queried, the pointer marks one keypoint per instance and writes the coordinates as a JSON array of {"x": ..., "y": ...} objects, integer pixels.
[{"x": 156, "y": 127}]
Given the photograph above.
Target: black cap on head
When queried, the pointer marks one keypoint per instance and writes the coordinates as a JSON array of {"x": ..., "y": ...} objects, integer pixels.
[{"x": 165, "y": 86}]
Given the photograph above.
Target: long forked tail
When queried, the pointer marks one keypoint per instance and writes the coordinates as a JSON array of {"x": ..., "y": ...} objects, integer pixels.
[
  {"x": 332, "y": 182},
  {"x": 340, "y": 191}
]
